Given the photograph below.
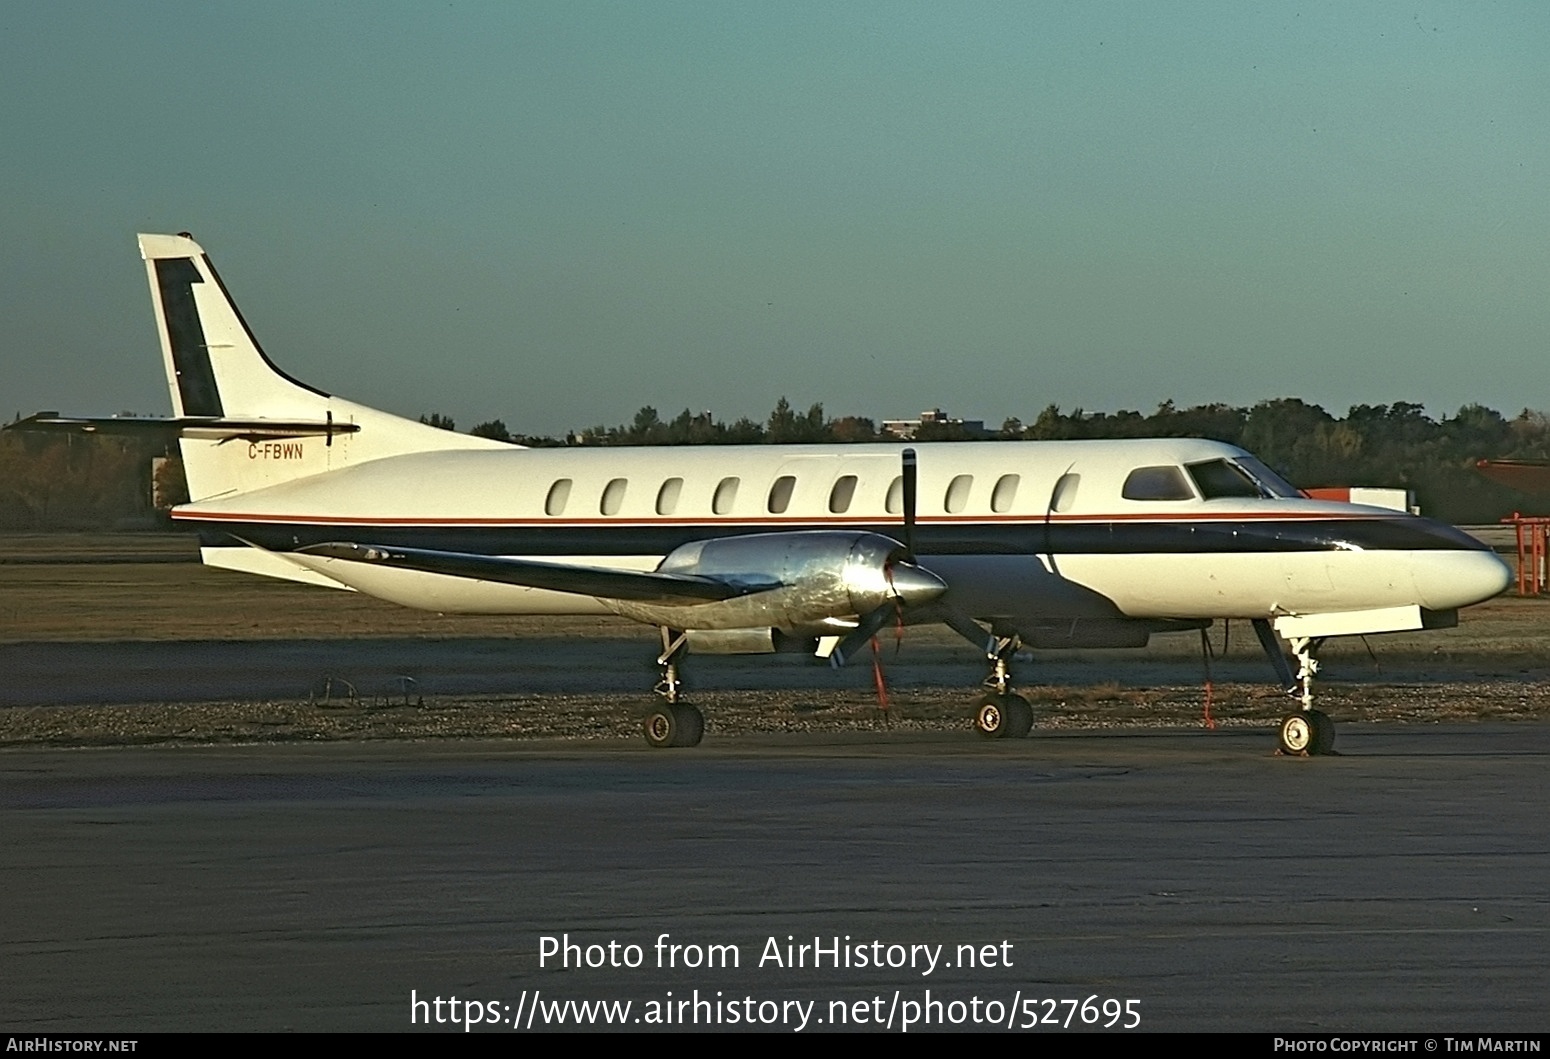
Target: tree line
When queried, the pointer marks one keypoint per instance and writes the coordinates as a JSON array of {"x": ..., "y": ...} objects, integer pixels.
[
  {"x": 52, "y": 481},
  {"x": 86, "y": 481}
]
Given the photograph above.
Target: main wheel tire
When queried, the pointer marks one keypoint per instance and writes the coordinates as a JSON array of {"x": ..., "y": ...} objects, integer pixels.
[
  {"x": 1323, "y": 733},
  {"x": 993, "y": 718},
  {"x": 1019, "y": 716},
  {"x": 691, "y": 724},
  {"x": 661, "y": 726},
  {"x": 1307, "y": 733},
  {"x": 678, "y": 724}
]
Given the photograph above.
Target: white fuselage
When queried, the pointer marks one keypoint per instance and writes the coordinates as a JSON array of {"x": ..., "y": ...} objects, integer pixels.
[{"x": 990, "y": 523}]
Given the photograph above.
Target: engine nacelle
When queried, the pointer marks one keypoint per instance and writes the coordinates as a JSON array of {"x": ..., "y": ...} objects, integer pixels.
[{"x": 796, "y": 580}]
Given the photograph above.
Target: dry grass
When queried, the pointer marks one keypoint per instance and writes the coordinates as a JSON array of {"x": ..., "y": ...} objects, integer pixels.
[{"x": 152, "y": 587}]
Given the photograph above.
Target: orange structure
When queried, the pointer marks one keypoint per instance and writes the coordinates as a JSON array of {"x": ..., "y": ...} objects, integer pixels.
[{"x": 1533, "y": 552}]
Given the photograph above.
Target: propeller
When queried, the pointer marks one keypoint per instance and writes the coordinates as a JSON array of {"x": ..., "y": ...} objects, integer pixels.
[{"x": 911, "y": 583}]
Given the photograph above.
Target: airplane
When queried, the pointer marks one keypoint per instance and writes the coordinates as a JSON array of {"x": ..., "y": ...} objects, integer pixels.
[{"x": 757, "y": 549}]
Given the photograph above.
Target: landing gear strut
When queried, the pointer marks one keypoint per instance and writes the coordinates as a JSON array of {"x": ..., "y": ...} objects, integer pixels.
[
  {"x": 1000, "y": 713},
  {"x": 674, "y": 723},
  {"x": 1307, "y": 732}
]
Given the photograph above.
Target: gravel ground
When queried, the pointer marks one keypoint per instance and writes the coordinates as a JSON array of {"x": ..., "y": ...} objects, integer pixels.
[{"x": 733, "y": 713}]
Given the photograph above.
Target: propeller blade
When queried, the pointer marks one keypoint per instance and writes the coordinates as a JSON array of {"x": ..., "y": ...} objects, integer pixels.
[
  {"x": 912, "y": 584},
  {"x": 862, "y": 634},
  {"x": 1267, "y": 640},
  {"x": 969, "y": 629}
]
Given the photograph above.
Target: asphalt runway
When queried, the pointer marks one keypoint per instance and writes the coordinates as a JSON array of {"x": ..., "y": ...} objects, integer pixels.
[
  {"x": 201, "y": 670},
  {"x": 618, "y": 661},
  {"x": 1398, "y": 886}
]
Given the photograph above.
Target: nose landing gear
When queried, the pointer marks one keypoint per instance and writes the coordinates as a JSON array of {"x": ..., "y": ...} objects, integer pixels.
[{"x": 1307, "y": 732}]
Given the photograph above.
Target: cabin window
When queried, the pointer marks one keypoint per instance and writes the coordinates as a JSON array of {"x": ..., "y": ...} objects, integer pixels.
[
  {"x": 667, "y": 496},
  {"x": 1156, "y": 483},
  {"x": 1063, "y": 497},
  {"x": 780, "y": 494},
  {"x": 958, "y": 493},
  {"x": 1004, "y": 493},
  {"x": 613, "y": 496},
  {"x": 559, "y": 493},
  {"x": 842, "y": 494},
  {"x": 725, "y": 496},
  {"x": 894, "y": 504}
]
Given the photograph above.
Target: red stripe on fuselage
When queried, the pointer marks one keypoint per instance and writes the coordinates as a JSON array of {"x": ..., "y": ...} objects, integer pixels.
[{"x": 561, "y": 523}]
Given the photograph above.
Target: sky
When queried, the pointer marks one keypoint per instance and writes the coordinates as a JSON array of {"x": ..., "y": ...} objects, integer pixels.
[{"x": 557, "y": 213}]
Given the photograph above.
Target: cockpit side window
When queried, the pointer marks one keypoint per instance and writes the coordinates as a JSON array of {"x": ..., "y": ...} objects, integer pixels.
[
  {"x": 1156, "y": 483},
  {"x": 1217, "y": 479}
]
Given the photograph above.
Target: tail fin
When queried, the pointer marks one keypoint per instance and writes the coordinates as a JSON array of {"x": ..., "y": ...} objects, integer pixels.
[{"x": 217, "y": 372}]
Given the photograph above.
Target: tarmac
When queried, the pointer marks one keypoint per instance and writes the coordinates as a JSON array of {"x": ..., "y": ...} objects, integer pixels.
[{"x": 1195, "y": 880}]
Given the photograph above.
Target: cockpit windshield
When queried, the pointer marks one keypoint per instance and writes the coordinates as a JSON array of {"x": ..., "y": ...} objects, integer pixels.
[
  {"x": 1268, "y": 479},
  {"x": 1217, "y": 479},
  {"x": 1241, "y": 477},
  {"x": 1246, "y": 477}
]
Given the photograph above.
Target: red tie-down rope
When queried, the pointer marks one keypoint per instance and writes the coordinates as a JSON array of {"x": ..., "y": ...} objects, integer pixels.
[{"x": 877, "y": 678}]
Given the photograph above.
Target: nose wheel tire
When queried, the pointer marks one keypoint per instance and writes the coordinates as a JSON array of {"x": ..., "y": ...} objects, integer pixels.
[
  {"x": 676, "y": 724},
  {"x": 1003, "y": 717},
  {"x": 1307, "y": 733}
]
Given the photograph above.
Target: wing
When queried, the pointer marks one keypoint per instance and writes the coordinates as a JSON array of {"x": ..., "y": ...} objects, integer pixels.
[{"x": 633, "y": 585}]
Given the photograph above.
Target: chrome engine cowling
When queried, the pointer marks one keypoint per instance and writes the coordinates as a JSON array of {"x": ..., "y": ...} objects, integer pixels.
[{"x": 795, "y": 580}]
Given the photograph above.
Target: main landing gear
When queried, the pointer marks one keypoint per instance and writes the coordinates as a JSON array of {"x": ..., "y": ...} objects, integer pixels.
[
  {"x": 1306, "y": 732},
  {"x": 673, "y": 723},
  {"x": 1000, "y": 713}
]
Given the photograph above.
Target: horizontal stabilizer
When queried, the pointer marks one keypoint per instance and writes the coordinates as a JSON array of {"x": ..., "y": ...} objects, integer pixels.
[
  {"x": 205, "y": 428},
  {"x": 634, "y": 585}
]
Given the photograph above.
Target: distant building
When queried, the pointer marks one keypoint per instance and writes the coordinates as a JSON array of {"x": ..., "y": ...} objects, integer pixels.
[{"x": 908, "y": 428}]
